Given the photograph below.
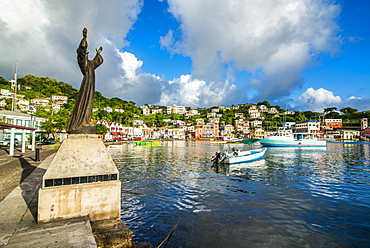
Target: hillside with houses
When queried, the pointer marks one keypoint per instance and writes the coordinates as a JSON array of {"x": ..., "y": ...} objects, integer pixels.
[{"x": 46, "y": 104}]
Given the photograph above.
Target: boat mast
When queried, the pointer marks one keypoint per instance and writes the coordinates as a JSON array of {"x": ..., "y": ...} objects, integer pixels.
[{"x": 14, "y": 87}]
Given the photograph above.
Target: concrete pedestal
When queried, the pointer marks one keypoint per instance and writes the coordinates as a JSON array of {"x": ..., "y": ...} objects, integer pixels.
[{"x": 82, "y": 180}]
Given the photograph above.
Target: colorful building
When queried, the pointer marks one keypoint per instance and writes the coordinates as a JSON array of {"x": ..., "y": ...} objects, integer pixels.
[{"x": 208, "y": 130}]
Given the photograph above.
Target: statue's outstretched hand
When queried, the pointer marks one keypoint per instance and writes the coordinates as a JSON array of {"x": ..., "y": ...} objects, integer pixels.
[
  {"x": 98, "y": 50},
  {"x": 84, "y": 32}
]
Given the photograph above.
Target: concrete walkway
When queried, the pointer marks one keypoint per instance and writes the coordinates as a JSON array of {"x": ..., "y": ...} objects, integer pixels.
[{"x": 18, "y": 210}]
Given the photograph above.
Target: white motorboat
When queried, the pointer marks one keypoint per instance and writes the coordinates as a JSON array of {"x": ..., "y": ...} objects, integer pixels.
[{"x": 237, "y": 156}]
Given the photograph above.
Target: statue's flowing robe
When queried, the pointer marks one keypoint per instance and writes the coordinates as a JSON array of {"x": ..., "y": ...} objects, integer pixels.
[{"x": 80, "y": 121}]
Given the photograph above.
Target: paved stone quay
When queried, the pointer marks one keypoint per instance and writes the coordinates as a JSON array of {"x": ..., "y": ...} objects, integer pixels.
[
  {"x": 18, "y": 206},
  {"x": 20, "y": 178}
]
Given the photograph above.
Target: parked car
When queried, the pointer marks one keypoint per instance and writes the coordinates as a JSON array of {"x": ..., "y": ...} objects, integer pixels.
[
  {"x": 6, "y": 142},
  {"x": 46, "y": 142},
  {"x": 117, "y": 139}
]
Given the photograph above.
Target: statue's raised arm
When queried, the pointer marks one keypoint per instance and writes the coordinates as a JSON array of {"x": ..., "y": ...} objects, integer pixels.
[{"x": 80, "y": 121}]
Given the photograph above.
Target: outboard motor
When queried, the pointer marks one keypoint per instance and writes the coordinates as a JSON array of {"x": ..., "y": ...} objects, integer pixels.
[{"x": 216, "y": 157}]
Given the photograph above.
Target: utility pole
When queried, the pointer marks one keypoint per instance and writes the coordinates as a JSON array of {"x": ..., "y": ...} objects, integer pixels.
[{"x": 14, "y": 87}]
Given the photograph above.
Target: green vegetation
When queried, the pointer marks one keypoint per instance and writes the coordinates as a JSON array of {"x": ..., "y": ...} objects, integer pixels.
[{"x": 121, "y": 111}]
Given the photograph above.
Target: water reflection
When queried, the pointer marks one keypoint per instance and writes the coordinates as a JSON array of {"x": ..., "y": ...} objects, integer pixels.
[
  {"x": 311, "y": 197},
  {"x": 239, "y": 168}
]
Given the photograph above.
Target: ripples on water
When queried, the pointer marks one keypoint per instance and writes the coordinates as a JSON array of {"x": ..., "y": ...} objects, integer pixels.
[{"x": 295, "y": 197}]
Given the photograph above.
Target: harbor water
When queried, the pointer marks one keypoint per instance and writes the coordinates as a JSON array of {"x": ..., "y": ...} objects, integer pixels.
[{"x": 294, "y": 197}]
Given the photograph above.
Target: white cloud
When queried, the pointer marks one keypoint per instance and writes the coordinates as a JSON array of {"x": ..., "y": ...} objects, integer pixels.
[
  {"x": 361, "y": 103},
  {"x": 276, "y": 39},
  {"x": 130, "y": 64},
  {"x": 317, "y": 100},
  {"x": 132, "y": 84},
  {"x": 141, "y": 87},
  {"x": 189, "y": 91},
  {"x": 272, "y": 40},
  {"x": 43, "y": 35}
]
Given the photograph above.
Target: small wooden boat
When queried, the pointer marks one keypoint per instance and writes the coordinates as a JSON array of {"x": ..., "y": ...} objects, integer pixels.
[
  {"x": 237, "y": 156},
  {"x": 148, "y": 143},
  {"x": 115, "y": 146},
  {"x": 221, "y": 140}
]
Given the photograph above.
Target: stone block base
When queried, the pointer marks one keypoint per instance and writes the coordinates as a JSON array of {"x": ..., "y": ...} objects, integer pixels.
[
  {"x": 112, "y": 233},
  {"x": 98, "y": 200}
]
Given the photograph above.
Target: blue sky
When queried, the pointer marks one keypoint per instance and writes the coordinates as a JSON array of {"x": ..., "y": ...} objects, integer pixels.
[{"x": 306, "y": 55}]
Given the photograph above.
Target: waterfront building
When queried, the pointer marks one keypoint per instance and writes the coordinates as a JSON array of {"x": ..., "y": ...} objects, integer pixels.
[
  {"x": 365, "y": 133},
  {"x": 227, "y": 130},
  {"x": 258, "y": 133},
  {"x": 333, "y": 123},
  {"x": 349, "y": 134},
  {"x": 146, "y": 133},
  {"x": 307, "y": 127},
  {"x": 364, "y": 123},
  {"x": 332, "y": 134},
  {"x": 179, "y": 133},
  {"x": 172, "y": 133},
  {"x": 288, "y": 125},
  {"x": 19, "y": 119},
  {"x": 206, "y": 130}
]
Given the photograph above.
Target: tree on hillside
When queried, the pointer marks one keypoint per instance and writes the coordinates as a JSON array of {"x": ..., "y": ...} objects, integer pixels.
[
  {"x": 331, "y": 113},
  {"x": 299, "y": 116},
  {"x": 5, "y": 84},
  {"x": 45, "y": 87},
  {"x": 311, "y": 115},
  {"x": 266, "y": 103},
  {"x": 101, "y": 129},
  {"x": 56, "y": 123},
  {"x": 329, "y": 110},
  {"x": 8, "y": 105},
  {"x": 348, "y": 110}
]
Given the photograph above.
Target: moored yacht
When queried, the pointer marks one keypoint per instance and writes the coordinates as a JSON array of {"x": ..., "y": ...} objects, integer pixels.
[{"x": 287, "y": 138}]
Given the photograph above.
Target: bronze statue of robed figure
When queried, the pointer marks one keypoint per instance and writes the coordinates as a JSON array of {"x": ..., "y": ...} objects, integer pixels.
[{"x": 80, "y": 121}]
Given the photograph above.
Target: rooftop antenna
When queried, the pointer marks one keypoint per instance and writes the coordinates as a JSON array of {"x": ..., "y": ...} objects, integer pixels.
[{"x": 14, "y": 87}]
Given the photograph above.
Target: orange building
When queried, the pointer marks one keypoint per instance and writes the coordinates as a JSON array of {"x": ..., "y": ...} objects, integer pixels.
[
  {"x": 206, "y": 130},
  {"x": 333, "y": 123}
]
